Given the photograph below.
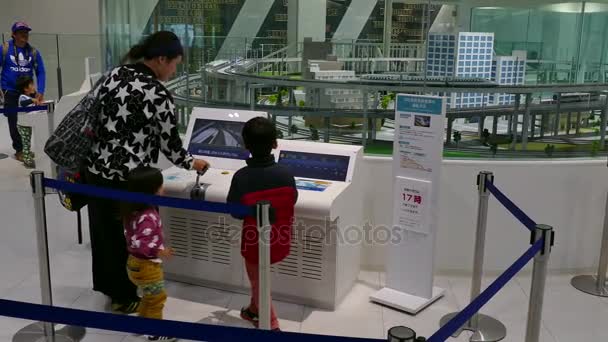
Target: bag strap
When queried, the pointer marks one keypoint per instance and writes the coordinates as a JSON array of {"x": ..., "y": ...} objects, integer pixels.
[
  {"x": 34, "y": 53},
  {"x": 4, "y": 53}
]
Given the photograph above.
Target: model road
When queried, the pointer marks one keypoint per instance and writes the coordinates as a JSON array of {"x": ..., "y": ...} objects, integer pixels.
[{"x": 217, "y": 134}]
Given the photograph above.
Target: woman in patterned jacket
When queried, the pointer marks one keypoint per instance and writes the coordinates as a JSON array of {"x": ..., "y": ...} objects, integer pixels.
[{"x": 137, "y": 123}]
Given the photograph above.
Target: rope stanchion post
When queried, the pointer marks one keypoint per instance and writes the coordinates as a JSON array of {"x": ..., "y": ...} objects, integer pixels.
[
  {"x": 51, "y": 128},
  {"x": 264, "y": 229},
  {"x": 596, "y": 285},
  {"x": 539, "y": 278},
  {"x": 43, "y": 331},
  {"x": 79, "y": 226},
  {"x": 403, "y": 334},
  {"x": 485, "y": 328},
  {"x": 43, "y": 248}
]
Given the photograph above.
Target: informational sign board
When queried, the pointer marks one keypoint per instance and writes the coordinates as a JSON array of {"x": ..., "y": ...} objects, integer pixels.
[
  {"x": 417, "y": 159},
  {"x": 419, "y": 130},
  {"x": 412, "y": 204}
]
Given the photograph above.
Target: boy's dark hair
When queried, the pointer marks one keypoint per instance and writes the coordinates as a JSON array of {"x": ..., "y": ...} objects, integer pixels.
[
  {"x": 23, "y": 82},
  {"x": 146, "y": 180},
  {"x": 260, "y": 136}
]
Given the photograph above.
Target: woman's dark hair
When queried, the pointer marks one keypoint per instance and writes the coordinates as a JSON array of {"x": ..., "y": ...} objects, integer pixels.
[
  {"x": 23, "y": 82},
  {"x": 146, "y": 180},
  {"x": 159, "y": 44},
  {"x": 259, "y": 135}
]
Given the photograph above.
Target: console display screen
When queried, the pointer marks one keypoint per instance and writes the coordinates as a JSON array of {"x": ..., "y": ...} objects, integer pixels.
[
  {"x": 315, "y": 165},
  {"x": 216, "y": 138},
  {"x": 312, "y": 185}
]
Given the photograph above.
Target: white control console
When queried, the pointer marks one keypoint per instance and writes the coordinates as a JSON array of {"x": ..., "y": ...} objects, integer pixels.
[{"x": 325, "y": 254}]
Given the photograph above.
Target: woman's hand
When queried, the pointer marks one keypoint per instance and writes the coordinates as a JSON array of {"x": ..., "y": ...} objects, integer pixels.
[{"x": 200, "y": 165}]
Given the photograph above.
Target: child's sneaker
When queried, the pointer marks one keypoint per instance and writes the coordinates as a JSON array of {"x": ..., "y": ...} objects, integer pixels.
[
  {"x": 19, "y": 156},
  {"x": 125, "y": 308},
  {"x": 248, "y": 315},
  {"x": 160, "y": 338}
]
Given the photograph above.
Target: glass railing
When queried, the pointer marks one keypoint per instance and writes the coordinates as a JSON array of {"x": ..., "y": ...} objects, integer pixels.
[
  {"x": 310, "y": 112},
  {"x": 64, "y": 59},
  {"x": 342, "y": 118}
]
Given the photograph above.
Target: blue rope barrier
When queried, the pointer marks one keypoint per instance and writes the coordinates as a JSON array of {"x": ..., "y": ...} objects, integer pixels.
[
  {"x": 146, "y": 326},
  {"x": 467, "y": 313},
  {"x": 511, "y": 207},
  {"x": 162, "y": 201},
  {"x": 23, "y": 109}
]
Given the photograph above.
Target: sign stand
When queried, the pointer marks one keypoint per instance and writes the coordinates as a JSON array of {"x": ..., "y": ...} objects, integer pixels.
[{"x": 417, "y": 157}]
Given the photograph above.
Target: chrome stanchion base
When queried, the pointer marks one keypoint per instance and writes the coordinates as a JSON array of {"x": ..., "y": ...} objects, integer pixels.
[
  {"x": 35, "y": 333},
  {"x": 588, "y": 284},
  {"x": 488, "y": 328}
]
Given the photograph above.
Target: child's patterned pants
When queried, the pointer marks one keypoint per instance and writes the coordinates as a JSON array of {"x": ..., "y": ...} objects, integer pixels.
[
  {"x": 26, "y": 137},
  {"x": 148, "y": 277}
]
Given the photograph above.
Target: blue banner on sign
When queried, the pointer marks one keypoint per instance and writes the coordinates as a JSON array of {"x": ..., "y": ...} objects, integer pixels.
[{"x": 417, "y": 104}]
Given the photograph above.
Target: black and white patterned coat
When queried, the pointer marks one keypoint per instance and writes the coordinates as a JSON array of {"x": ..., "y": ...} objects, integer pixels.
[{"x": 137, "y": 123}]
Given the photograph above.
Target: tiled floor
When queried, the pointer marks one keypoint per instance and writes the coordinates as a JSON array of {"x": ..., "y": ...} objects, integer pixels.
[{"x": 568, "y": 314}]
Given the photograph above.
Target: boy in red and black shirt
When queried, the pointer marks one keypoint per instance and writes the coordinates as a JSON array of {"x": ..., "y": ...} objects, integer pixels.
[{"x": 263, "y": 180}]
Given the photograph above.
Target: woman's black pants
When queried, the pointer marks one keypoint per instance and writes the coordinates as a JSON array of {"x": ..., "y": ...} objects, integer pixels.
[{"x": 108, "y": 244}]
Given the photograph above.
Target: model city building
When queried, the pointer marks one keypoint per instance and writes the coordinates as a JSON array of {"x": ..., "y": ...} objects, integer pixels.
[
  {"x": 336, "y": 98},
  {"x": 471, "y": 55},
  {"x": 331, "y": 70},
  {"x": 508, "y": 70}
]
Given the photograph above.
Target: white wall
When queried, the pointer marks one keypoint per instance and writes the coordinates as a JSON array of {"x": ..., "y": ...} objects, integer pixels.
[
  {"x": 76, "y": 22},
  {"x": 51, "y": 16},
  {"x": 354, "y": 20},
  {"x": 306, "y": 19},
  {"x": 246, "y": 26},
  {"x": 569, "y": 195}
]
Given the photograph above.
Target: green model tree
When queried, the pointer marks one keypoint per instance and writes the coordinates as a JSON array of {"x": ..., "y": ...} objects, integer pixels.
[
  {"x": 485, "y": 137},
  {"x": 494, "y": 149},
  {"x": 386, "y": 100},
  {"x": 273, "y": 99},
  {"x": 281, "y": 94},
  {"x": 595, "y": 147},
  {"x": 293, "y": 129},
  {"x": 549, "y": 149},
  {"x": 457, "y": 137},
  {"x": 314, "y": 133},
  {"x": 301, "y": 103},
  {"x": 279, "y": 99}
]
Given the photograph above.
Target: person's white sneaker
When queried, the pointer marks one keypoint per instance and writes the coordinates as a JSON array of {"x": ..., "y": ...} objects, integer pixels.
[{"x": 160, "y": 338}]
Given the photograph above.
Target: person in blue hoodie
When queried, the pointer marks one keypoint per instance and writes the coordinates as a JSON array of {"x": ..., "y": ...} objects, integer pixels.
[{"x": 19, "y": 58}]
